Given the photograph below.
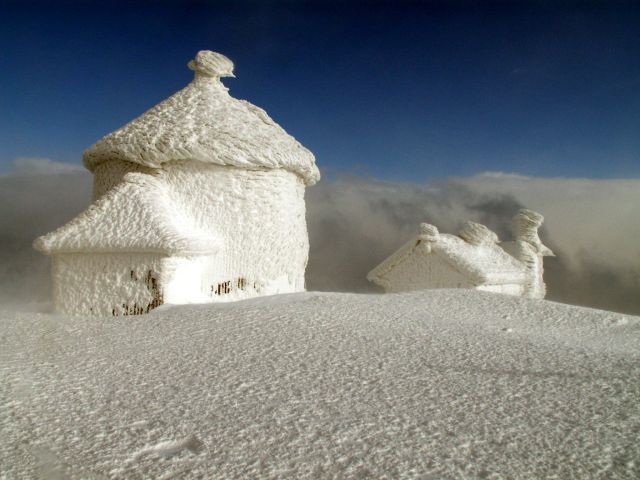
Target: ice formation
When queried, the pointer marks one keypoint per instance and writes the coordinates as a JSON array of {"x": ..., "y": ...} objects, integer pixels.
[
  {"x": 472, "y": 259},
  {"x": 200, "y": 199},
  {"x": 203, "y": 123},
  {"x": 528, "y": 248}
]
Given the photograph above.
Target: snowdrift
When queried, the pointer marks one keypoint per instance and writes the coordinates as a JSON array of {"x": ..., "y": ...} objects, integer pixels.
[{"x": 435, "y": 384}]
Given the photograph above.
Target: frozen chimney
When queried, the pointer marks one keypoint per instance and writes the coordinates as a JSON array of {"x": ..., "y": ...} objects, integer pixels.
[
  {"x": 530, "y": 250},
  {"x": 210, "y": 66},
  {"x": 428, "y": 232},
  {"x": 477, "y": 234}
]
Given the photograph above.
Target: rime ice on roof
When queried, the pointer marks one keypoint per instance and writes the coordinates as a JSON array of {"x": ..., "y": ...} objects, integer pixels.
[
  {"x": 200, "y": 199},
  {"x": 136, "y": 216},
  {"x": 472, "y": 259},
  {"x": 203, "y": 122},
  {"x": 211, "y": 64}
]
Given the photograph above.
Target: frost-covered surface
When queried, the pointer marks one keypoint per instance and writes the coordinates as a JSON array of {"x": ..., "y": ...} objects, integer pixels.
[
  {"x": 107, "y": 175},
  {"x": 482, "y": 264},
  {"x": 208, "y": 181},
  {"x": 433, "y": 384},
  {"x": 224, "y": 234},
  {"x": 530, "y": 250},
  {"x": 138, "y": 215},
  {"x": 260, "y": 215},
  {"x": 203, "y": 122},
  {"x": 420, "y": 270},
  {"x": 440, "y": 260},
  {"x": 471, "y": 259},
  {"x": 108, "y": 283}
]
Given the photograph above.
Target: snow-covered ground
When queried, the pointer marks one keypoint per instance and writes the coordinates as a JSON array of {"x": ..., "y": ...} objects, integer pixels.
[{"x": 436, "y": 384}]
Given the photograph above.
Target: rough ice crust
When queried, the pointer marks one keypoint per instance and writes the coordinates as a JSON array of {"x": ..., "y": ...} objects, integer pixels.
[
  {"x": 208, "y": 187},
  {"x": 474, "y": 259},
  {"x": 410, "y": 274},
  {"x": 260, "y": 214},
  {"x": 219, "y": 234},
  {"x": 138, "y": 215},
  {"x": 128, "y": 284},
  {"x": 202, "y": 122},
  {"x": 530, "y": 250},
  {"x": 441, "y": 260},
  {"x": 107, "y": 175}
]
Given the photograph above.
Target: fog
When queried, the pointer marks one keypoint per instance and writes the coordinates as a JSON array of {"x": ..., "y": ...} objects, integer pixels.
[
  {"x": 355, "y": 223},
  {"x": 593, "y": 227},
  {"x": 34, "y": 199}
]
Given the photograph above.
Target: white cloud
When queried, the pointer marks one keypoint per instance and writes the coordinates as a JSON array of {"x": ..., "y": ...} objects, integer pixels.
[
  {"x": 599, "y": 218},
  {"x": 43, "y": 166},
  {"x": 592, "y": 225},
  {"x": 502, "y": 176}
]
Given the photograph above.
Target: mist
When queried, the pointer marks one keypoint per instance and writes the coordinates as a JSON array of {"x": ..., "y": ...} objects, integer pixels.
[
  {"x": 355, "y": 222},
  {"x": 591, "y": 225},
  {"x": 37, "y": 197}
]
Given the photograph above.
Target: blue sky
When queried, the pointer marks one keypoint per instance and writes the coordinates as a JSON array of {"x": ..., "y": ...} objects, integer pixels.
[{"x": 401, "y": 91}]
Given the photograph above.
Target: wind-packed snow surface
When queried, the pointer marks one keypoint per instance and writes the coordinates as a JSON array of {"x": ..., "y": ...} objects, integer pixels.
[{"x": 435, "y": 384}]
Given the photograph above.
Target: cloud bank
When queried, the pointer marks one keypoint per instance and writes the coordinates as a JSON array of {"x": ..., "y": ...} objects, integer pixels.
[
  {"x": 37, "y": 197},
  {"x": 354, "y": 223},
  {"x": 591, "y": 225}
]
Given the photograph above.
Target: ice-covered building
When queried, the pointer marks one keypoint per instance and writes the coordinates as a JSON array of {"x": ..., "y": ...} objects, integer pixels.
[
  {"x": 200, "y": 199},
  {"x": 472, "y": 259}
]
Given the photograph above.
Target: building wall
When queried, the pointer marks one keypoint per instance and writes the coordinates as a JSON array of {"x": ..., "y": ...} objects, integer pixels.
[
  {"x": 508, "y": 289},
  {"x": 107, "y": 283},
  {"x": 425, "y": 270},
  {"x": 258, "y": 214},
  {"x": 422, "y": 271},
  {"x": 201, "y": 279}
]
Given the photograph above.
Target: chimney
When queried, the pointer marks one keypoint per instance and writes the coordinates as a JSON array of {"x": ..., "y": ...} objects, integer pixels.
[
  {"x": 428, "y": 232},
  {"x": 477, "y": 234},
  {"x": 530, "y": 250}
]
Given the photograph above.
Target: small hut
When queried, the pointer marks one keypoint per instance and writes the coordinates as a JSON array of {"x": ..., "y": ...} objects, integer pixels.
[
  {"x": 200, "y": 199},
  {"x": 472, "y": 259}
]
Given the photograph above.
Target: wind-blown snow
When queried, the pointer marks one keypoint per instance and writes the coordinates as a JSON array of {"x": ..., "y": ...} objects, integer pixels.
[{"x": 436, "y": 384}]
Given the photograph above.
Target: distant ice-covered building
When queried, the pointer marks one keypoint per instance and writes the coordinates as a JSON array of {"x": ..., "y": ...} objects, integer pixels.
[
  {"x": 472, "y": 259},
  {"x": 200, "y": 199}
]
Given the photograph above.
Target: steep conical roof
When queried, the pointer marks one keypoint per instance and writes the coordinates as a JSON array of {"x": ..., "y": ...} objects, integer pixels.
[{"x": 202, "y": 122}]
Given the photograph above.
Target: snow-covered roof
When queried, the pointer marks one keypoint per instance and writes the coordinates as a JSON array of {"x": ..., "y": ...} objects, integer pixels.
[
  {"x": 525, "y": 225},
  {"x": 135, "y": 216},
  {"x": 202, "y": 122},
  {"x": 477, "y": 255}
]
